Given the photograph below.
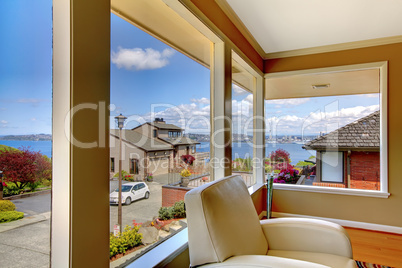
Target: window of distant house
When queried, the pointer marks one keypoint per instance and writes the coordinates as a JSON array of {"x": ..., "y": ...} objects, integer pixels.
[
  {"x": 133, "y": 166},
  {"x": 112, "y": 164},
  {"x": 155, "y": 133},
  {"x": 327, "y": 129},
  {"x": 332, "y": 167}
]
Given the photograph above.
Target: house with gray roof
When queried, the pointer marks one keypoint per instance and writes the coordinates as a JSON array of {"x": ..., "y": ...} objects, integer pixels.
[
  {"x": 349, "y": 156},
  {"x": 150, "y": 148}
]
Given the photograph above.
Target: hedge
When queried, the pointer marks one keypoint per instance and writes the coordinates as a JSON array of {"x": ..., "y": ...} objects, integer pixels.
[
  {"x": 8, "y": 216},
  {"x": 178, "y": 210},
  {"x": 128, "y": 239},
  {"x": 6, "y": 205}
]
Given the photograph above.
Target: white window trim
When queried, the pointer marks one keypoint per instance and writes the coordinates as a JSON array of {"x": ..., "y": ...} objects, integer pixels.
[{"x": 383, "y": 192}]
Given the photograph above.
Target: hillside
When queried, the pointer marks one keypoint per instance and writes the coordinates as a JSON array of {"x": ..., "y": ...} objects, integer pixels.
[
  {"x": 32, "y": 137},
  {"x": 4, "y": 147}
]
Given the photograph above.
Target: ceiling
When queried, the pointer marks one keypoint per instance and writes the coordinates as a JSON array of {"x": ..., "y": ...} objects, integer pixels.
[{"x": 280, "y": 28}]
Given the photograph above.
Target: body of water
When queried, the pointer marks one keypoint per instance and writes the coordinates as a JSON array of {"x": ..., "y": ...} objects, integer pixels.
[
  {"x": 239, "y": 149},
  {"x": 243, "y": 149},
  {"x": 45, "y": 147}
]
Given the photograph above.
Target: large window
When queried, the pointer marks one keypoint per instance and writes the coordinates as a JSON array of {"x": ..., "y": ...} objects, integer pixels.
[
  {"x": 326, "y": 128},
  {"x": 25, "y": 133},
  {"x": 155, "y": 86}
]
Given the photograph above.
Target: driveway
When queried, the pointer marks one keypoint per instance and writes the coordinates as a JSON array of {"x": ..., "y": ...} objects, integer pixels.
[{"x": 141, "y": 210}]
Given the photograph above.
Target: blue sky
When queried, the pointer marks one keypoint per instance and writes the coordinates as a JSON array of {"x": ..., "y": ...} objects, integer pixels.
[
  {"x": 148, "y": 79},
  {"x": 25, "y": 66}
]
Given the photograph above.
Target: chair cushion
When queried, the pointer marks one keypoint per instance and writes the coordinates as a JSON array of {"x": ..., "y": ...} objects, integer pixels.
[
  {"x": 330, "y": 260},
  {"x": 222, "y": 222},
  {"x": 264, "y": 261}
]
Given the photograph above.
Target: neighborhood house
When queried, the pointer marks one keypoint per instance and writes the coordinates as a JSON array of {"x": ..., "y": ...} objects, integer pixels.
[
  {"x": 349, "y": 157},
  {"x": 151, "y": 148}
]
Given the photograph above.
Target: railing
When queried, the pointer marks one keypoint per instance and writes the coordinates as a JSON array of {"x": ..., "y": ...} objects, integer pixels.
[
  {"x": 246, "y": 176},
  {"x": 201, "y": 156},
  {"x": 195, "y": 179}
]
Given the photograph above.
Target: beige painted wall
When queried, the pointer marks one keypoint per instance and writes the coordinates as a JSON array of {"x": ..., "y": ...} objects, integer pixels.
[
  {"x": 363, "y": 209},
  {"x": 129, "y": 152}
]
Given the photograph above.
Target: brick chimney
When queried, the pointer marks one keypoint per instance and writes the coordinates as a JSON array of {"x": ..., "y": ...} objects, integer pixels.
[{"x": 159, "y": 120}]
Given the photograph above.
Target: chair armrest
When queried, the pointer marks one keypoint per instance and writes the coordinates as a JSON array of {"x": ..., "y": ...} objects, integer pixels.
[{"x": 302, "y": 234}]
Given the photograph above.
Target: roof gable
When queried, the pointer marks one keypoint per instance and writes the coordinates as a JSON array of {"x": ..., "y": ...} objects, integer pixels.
[
  {"x": 141, "y": 141},
  {"x": 361, "y": 134}
]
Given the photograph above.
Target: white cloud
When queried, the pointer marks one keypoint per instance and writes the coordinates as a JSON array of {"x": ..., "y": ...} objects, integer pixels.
[
  {"x": 238, "y": 90},
  {"x": 139, "y": 59},
  {"x": 33, "y": 119},
  {"x": 4, "y": 122},
  {"x": 200, "y": 101},
  {"x": 317, "y": 121},
  {"x": 287, "y": 102},
  {"x": 374, "y": 95}
]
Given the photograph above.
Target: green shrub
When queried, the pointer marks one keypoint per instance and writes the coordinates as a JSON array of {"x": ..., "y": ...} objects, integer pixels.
[
  {"x": 8, "y": 216},
  {"x": 128, "y": 239},
  {"x": 166, "y": 213},
  {"x": 33, "y": 185},
  {"x": 6, "y": 205},
  {"x": 179, "y": 209},
  {"x": 123, "y": 173},
  {"x": 11, "y": 189}
]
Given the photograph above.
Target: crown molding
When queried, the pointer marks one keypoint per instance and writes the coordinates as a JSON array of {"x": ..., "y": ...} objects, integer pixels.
[{"x": 335, "y": 47}]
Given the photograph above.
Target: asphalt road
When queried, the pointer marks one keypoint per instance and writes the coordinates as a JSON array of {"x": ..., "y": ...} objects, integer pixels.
[
  {"x": 141, "y": 210},
  {"x": 29, "y": 246},
  {"x": 33, "y": 205}
]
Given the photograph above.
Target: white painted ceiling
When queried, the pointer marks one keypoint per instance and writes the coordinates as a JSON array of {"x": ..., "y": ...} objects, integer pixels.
[{"x": 286, "y": 25}]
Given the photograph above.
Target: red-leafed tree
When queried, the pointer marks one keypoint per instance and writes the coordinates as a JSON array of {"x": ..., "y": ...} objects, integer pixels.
[
  {"x": 24, "y": 166},
  {"x": 188, "y": 159},
  {"x": 280, "y": 159}
]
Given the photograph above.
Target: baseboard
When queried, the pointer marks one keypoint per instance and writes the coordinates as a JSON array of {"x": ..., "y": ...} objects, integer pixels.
[{"x": 346, "y": 223}]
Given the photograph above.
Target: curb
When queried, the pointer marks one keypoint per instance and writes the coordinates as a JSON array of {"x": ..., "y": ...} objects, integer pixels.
[
  {"x": 7, "y": 226},
  {"x": 14, "y": 197}
]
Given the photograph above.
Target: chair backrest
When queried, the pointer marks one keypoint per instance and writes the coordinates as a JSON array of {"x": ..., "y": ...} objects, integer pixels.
[{"x": 222, "y": 222}]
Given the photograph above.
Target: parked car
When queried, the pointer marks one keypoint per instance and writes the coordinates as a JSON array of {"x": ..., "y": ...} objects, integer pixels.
[{"x": 130, "y": 192}]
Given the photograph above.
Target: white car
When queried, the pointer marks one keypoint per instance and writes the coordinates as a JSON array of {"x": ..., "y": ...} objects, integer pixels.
[{"x": 130, "y": 191}]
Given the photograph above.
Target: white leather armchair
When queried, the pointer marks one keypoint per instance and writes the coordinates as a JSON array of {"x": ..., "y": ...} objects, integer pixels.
[{"x": 224, "y": 231}]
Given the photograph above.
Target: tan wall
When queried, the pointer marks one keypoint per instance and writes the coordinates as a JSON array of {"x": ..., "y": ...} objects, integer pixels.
[
  {"x": 364, "y": 209},
  {"x": 163, "y": 133},
  {"x": 129, "y": 151}
]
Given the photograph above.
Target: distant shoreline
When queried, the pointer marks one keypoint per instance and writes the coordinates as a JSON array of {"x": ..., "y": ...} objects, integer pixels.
[{"x": 31, "y": 137}]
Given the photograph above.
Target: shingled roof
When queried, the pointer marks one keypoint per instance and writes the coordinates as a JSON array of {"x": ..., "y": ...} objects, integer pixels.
[
  {"x": 165, "y": 126},
  {"x": 141, "y": 141},
  {"x": 361, "y": 134},
  {"x": 180, "y": 140},
  {"x": 161, "y": 126}
]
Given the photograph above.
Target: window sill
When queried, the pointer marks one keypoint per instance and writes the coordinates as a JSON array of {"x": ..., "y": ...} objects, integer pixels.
[
  {"x": 163, "y": 253},
  {"x": 331, "y": 190}
]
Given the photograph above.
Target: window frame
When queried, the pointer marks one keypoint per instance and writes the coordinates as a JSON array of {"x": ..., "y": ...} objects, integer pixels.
[{"x": 383, "y": 85}]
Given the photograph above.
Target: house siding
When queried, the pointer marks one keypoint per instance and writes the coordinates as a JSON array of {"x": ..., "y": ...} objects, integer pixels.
[{"x": 129, "y": 152}]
